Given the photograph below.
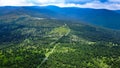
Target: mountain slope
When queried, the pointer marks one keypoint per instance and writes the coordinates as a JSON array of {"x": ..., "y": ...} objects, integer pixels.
[
  {"x": 100, "y": 17},
  {"x": 118, "y": 11},
  {"x": 26, "y": 41}
]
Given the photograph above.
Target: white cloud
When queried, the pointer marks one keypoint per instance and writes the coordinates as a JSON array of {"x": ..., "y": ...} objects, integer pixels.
[
  {"x": 14, "y": 3},
  {"x": 99, "y": 5},
  {"x": 115, "y": 1},
  {"x": 95, "y": 5},
  {"x": 111, "y": 4},
  {"x": 51, "y": 1}
]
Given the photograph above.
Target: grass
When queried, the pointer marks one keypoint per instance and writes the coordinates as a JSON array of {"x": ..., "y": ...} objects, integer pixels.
[{"x": 62, "y": 30}]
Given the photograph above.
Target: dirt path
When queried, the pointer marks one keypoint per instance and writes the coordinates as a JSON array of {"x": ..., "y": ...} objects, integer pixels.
[{"x": 53, "y": 49}]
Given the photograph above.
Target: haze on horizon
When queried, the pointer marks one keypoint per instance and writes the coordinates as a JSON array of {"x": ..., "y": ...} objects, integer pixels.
[{"x": 96, "y": 4}]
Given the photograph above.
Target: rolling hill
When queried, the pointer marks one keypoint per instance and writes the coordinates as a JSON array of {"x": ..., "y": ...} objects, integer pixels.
[
  {"x": 100, "y": 17},
  {"x": 37, "y": 37}
]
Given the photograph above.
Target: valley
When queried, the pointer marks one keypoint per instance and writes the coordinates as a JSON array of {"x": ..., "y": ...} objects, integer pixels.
[{"x": 31, "y": 41}]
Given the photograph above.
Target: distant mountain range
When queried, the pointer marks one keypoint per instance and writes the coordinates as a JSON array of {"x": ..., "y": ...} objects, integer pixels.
[
  {"x": 118, "y": 11},
  {"x": 100, "y": 17},
  {"x": 54, "y": 37}
]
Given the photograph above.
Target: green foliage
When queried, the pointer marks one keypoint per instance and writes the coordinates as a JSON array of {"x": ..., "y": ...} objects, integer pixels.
[{"x": 26, "y": 42}]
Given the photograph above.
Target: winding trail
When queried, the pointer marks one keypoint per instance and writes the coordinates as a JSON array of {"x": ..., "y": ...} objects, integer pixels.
[{"x": 53, "y": 49}]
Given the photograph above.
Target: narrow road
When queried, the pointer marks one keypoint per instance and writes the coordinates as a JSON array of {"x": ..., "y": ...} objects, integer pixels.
[{"x": 53, "y": 49}]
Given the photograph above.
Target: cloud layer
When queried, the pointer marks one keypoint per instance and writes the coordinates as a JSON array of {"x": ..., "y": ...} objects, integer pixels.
[{"x": 97, "y": 4}]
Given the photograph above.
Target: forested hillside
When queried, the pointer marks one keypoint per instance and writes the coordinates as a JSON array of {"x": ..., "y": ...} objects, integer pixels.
[
  {"x": 37, "y": 42},
  {"x": 100, "y": 17}
]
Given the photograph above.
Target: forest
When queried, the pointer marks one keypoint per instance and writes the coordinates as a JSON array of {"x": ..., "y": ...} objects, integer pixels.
[{"x": 32, "y": 42}]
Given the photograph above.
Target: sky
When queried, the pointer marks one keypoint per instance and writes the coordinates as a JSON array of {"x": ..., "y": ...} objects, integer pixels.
[{"x": 96, "y": 4}]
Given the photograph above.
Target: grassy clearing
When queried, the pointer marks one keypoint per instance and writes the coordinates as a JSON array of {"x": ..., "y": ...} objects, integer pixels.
[{"x": 58, "y": 33}]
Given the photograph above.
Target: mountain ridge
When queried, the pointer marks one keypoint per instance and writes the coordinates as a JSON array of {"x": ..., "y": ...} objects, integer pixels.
[
  {"x": 99, "y": 17},
  {"x": 40, "y": 38}
]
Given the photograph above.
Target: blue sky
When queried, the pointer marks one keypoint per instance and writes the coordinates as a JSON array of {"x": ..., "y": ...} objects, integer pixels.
[{"x": 96, "y": 4}]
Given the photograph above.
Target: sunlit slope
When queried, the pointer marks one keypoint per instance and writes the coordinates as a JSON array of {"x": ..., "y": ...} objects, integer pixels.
[
  {"x": 57, "y": 34},
  {"x": 100, "y": 17},
  {"x": 35, "y": 42}
]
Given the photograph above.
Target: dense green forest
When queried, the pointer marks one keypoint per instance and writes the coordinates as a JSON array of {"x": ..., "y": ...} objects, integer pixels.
[{"x": 32, "y": 42}]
